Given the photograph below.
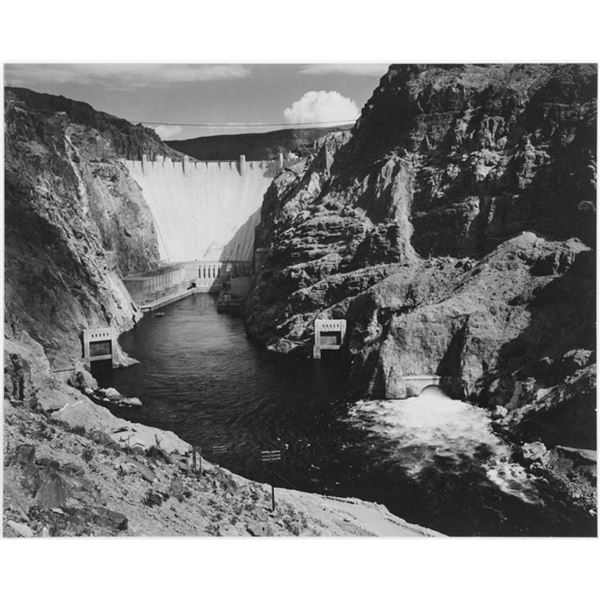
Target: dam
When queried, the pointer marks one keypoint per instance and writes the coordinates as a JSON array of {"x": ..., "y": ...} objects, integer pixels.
[
  {"x": 205, "y": 214},
  {"x": 204, "y": 211}
]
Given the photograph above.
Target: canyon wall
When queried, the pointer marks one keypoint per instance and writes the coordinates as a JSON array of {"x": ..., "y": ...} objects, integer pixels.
[
  {"x": 455, "y": 231},
  {"x": 203, "y": 210},
  {"x": 75, "y": 222}
]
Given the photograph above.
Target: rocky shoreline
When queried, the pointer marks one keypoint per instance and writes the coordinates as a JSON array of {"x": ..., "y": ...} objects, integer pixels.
[{"x": 73, "y": 468}]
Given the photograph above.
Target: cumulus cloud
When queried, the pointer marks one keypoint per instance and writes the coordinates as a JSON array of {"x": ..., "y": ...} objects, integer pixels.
[
  {"x": 366, "y": 68},
  {"x": 321, "y": 107},
  {"x": 121, "y": 75},
  {"x": 167, "y": 132}
]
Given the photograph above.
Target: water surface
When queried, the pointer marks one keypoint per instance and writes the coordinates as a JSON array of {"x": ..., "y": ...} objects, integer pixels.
[{"x": 432, "y": 460}]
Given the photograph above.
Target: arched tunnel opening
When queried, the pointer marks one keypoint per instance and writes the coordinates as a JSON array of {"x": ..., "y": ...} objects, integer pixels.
[{"x": 432, "y": 391}]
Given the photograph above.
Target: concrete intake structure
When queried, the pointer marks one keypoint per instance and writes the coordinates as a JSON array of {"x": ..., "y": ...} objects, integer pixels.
[
  {"x": 204, "y": 211},
  {"x": 329, "y": 335},
  {"x": 99, "y": 345}
]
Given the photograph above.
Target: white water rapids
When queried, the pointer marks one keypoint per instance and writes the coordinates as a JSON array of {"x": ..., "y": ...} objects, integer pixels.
[{"x": 433, "y": 431}]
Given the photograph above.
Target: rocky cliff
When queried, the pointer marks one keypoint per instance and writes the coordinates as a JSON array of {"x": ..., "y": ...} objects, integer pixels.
[
  {"x": 75, "y": 220},
  {"x": 455, "y": 230}
]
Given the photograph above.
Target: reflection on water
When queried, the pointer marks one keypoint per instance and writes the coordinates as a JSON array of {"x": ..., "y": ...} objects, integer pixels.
[{"x": 431, "y": 460}]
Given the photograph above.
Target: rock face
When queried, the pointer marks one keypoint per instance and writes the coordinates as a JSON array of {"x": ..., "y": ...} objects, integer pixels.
[
  {"x": 571, "y": 470},
  {"x": 75, "y": 220},
  {"x": 455, "y": 231}
]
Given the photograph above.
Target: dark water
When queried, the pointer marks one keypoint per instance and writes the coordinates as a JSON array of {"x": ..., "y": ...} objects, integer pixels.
[{"x": 433, "y": 461}]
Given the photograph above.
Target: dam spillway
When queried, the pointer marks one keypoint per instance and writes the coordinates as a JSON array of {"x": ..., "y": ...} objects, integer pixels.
[{"x": 204, "y": 210}]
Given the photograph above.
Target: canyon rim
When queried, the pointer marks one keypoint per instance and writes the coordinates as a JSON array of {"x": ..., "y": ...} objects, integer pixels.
[{"x": 368, "y": 312}]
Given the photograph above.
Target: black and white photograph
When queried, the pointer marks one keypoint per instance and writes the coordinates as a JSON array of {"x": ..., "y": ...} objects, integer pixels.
[
  {"x": 366, "y": 310},
  {"x": 299, "y": 304}
]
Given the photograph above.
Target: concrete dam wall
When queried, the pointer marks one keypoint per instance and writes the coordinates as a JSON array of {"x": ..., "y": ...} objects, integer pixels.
[{"x": 204, "y": 210}]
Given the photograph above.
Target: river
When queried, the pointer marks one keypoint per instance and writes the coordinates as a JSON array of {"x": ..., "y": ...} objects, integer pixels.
[{"x": 431, "y": 460}]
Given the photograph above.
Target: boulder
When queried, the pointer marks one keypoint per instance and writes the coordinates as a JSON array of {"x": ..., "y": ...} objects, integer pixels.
[
  {"x": 177, "y": 488},
  {"x": 534, "y": 452},
  {"x": 499, "y": 412},
  {"x": 109, "y": 519},
  {"x": 112, "y": 396},
  {"x": 20, "y": 529},
  {"x": 24, "y": 454},
  {"x": 82, "y": 379},
  {"x": 52, "y": 490},
  {"x": 110, "y": 393}
]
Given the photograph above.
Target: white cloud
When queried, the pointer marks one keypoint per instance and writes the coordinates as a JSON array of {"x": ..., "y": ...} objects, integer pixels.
[
  {"x": 366, "y": 68},
  {"x": 121, "y": 75},
  {"x": 167, "y": 132},
  {"x": 321, "y": 107}
]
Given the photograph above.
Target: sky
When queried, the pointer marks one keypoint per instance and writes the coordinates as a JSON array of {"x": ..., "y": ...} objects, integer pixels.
[{"x": 164, "y": 95}]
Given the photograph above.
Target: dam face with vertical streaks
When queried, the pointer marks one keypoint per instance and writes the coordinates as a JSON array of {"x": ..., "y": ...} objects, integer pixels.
[{"x": 204, "y": 210}]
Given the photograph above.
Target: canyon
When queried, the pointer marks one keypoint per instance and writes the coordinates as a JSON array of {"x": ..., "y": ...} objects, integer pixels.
[
  {"x": 77, "y": 223},
  {"x": 453, "y": 228}
]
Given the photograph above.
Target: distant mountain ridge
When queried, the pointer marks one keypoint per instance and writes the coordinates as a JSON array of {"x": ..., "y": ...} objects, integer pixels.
[{"x": 255, "y": 146}]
